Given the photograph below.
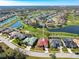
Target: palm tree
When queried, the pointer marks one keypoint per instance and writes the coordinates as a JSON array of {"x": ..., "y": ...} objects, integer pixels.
[
  {"x": 53, "y": 56},
  {"x": 19, "y": 55}
]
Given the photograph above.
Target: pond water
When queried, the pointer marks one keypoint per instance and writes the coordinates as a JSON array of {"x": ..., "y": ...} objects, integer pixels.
[
  {"x": 16, "y": 25},
  {"x": 7, "y": 20},
  {"x": 70, "y": 29}
]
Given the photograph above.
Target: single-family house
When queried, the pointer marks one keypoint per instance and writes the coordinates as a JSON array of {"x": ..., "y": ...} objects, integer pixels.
[{"x": 29, "y": 41}]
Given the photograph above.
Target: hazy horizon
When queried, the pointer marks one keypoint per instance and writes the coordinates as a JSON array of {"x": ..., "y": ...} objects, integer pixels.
[{"x": 39, "y": 2}]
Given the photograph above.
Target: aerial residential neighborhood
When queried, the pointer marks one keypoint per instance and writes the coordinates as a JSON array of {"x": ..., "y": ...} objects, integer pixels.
[
  {"x": 29, "y": 33},
  {"x": 39, "y": 29}
]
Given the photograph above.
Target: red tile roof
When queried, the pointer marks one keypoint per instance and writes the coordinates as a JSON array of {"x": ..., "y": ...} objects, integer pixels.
[
  {"x": 76, "y": 41},
  {"x": 1, "y": 19},
  {"x": 42, "y": 42}
]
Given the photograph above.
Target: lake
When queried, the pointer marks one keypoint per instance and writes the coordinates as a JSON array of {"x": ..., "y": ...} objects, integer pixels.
[{"x": 70, "y": 29}]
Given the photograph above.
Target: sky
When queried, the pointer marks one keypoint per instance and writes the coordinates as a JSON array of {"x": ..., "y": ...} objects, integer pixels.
[{"x": 38, "y": 2}]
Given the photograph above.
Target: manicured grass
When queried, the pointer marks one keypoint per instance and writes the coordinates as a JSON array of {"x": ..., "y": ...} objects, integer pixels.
[
  {"x": 67, "y": 58},
  {"x": 64, "y": 34},
  {"x": 36, "y": 49},
  {"x": 35, "y": 31},
  {"x": 65, "y": 50},
  {"x": 16, "y": 41},
  {"x": 54, "y": 50},
  {"x": 72, "y": 20},
  {"x": 75, "y": 49},
  {"x": 30, "y": 57},
  {"x": 38, "y": 32}
]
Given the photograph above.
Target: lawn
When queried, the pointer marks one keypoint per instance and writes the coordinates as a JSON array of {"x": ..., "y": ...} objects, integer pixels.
[
  {"x": 30, "y": 57},
  {"x": 72, "y": 19},
  {"x": 75, "y": 49},
  {"x": 36, "y": 49},
  {"x": 65, "y": 50},
  {"x": 64, "y": 34},
  {"x": 18, "y": 43},
  {"x": 38, "y": 32},
  {"x": 54, "y": 50},
  {"x": 67, "y": 58}
]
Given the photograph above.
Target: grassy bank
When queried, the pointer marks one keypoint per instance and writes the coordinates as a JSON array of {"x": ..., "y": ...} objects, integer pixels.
[{"x": 38, "y": 32}]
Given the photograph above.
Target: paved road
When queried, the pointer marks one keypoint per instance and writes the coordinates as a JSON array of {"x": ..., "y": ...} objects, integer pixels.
[
  {"x": 37, "y": 54},
  {"x": 66, "y": 55},
  {"x": 8, "y": 43}
]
